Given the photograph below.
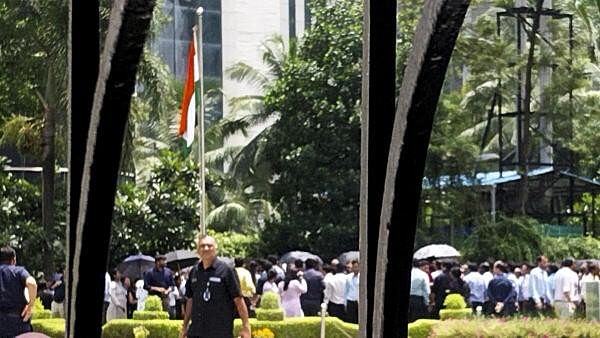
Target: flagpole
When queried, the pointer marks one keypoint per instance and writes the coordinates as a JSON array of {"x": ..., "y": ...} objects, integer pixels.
[{"x": 202, "y": 189}]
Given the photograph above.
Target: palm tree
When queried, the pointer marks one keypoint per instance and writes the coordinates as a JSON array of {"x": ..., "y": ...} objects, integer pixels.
[{"x": 245, "y": 186}]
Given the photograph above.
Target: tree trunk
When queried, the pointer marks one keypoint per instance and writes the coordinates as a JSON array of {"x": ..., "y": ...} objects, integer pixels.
[
  {"x": 48, "y": 173},
  {"x": 524, "y": 146}
]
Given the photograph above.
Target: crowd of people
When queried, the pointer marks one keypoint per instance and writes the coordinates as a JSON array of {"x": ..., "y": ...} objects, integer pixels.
[
  {"x": 502, "y": 289},
  {"x": 302, "y": 286}
]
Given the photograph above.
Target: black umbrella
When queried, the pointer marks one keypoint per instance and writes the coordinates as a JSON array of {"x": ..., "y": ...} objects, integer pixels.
[
  {"x": 179, "y": 259},
  {"x": 135, "y": 266},
  {"x": 292, "y": 256},
  {"x": 349, "y": 256}
]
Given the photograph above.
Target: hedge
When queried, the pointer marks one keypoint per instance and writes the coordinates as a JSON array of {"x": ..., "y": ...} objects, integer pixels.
[
  {"x": 157, "y": 328},
  {"x": 456, "y": 313},
  {"x": 303, "y": 327},
  {"x": 147, "y": 315},
  {"x": 52, "y": 327},
  {"x": 269, "y": 314},
  {"x": 308, "y": 327},
  {"x": 421, "y": 328},
  {"x": 524, "y": 327}
]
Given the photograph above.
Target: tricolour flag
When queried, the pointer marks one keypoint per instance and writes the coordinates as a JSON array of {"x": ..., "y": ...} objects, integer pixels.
[{"x": 187, "y": 120}]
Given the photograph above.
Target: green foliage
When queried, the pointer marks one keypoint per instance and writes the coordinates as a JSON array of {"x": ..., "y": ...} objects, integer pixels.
[
  {"x": 455, "y": 301},
  {"x": 153, "y": 303},
  {"x": 269, "y": 314},
  {"x": 525, "y": 327},
  {"x": 39, "y": 312},
  {"x": 270, "y": 300},
  {"x": 159, "y": 215},
  {"x": 307, "y": 327},
  {"x": 513, "y": 239},
  {"x": 140, "y": 332},
  {"x": 53, "y": 328},
  {"x": 150, "y": 314},
  {"x": 157, "y": 328},
  {"x": 421, "y": 328},
  {"x": 270, "y": 308},
  {"x": 25, "y": 133},
  {"x": 232, "y": 244},
  {"x": 314, "y": 147},
  {"x": 559, "y": 248},
  {"x": 20, "y": 216},
  {"x": 456, "y": 313}
]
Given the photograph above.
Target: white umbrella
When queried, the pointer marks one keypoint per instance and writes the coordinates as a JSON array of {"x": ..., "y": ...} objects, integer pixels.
[{"x": 436, "y": 251}]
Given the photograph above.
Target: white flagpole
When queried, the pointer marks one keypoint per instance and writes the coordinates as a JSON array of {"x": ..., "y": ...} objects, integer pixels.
[{"x": 202, "y": 188}]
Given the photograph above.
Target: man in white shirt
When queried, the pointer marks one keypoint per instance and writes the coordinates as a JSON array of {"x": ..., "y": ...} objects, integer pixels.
[
  {"x": 538, "y": 286},
  {"x": 477, "y": 287},
  {"x": 566, "y": 291},
  {"x": 419, "y": 291},
  {"x": 523, "y": 294},
  {"x": 351, "y": 295},
  {"x": 335, "y": 291}
]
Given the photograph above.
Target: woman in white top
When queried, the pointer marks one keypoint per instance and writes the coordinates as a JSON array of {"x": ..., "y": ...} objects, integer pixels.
[
  {"x": 117, "y": 307},
  {"x": 270, "y": 285},
  {"x": 290, "y": 290}
]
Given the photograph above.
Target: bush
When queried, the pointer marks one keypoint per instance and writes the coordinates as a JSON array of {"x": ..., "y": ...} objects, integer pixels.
[
  {"x": 157, "y": 328},
  {"x": 148, "y": 315},
  {"x": 454, "y": 301},
  {"x": 306, "y": 327},
  {"x": 455, "y": 314},
  {"x": 421, "y": 328},
  {"x": 577, "y": 247},
  {"x": 270, "y": 300},
  {"x": 53, "y": 327},
  {"x": 153, "y": 303},
  {"x": 140, "y": 332},
  {"x": 516, "y": 328},
  {"x": 39, "y": 312},
  {"x": 269, "y": 314},
  {"x": 515, "y": 239}
]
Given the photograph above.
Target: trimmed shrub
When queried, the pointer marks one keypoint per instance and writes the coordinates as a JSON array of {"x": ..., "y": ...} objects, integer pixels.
[
  {"x": 153, "y": 303},
  {"x": 270, "y": 308},
  {"x": 52, "y": 327},
  {"x": 303, "y": 327},
  {"x": 454, "y": 301},
  {"x": 421, "y": 328},
  {"x": 524, "y": 327},
  {"x": 270, "y": 300},
  {"x": 147, "y": 315},
  {"x": 38, "y": 310},
  {"x": 157, "y": 328},
  {"x": 456, "y": 314},
  {"x": 306, "y": 327},
  {"x": 140, "y": 332},
  {"x": 269, "y": 314}
]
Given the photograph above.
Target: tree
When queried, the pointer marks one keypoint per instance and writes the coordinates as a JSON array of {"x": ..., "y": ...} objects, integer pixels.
[
  {"x": 314, "y": 147},
  {"x": 36, "y": 44}
]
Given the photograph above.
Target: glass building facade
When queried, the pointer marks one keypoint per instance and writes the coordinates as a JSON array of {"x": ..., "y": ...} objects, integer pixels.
[{"x": 172, "y": 44}]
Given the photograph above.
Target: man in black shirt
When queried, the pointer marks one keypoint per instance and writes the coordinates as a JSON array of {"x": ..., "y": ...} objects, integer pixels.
[
  {"x": 160, "y": 281},
  {"x": 213, "y": 293},
  {"x": 15, "y": 311}
]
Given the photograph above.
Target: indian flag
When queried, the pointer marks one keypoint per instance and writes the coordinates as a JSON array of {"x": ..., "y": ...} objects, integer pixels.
[{"x": 187, "y": 120}]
